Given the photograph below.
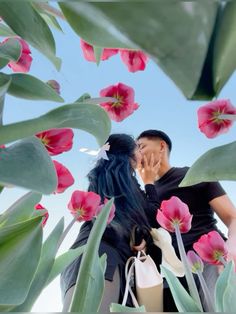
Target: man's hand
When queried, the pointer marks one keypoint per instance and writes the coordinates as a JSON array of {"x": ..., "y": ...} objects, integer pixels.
[{"x": 149, "y": 169}]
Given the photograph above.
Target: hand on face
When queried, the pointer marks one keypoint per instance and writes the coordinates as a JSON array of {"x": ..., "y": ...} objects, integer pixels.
[{"x": 149, "y": 169}]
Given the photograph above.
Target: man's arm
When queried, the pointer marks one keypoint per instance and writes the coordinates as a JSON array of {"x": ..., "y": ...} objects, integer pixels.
[{"x": 226, "y": 211}]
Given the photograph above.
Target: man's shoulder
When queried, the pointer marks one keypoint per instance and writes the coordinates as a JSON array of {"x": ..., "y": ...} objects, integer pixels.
[{"x": 180, "y": 170}]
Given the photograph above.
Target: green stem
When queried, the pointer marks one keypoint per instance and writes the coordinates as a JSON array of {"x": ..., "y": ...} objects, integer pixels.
[
  {"x": 189, "y": 276},
  {"x": 227, "y": 116},
  {"x": 222, "y": 260},
  {"x": 209, "y": 301}
]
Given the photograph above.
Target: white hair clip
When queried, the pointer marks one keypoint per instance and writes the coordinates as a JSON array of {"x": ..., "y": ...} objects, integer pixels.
[{"x": 101, "y": 153}]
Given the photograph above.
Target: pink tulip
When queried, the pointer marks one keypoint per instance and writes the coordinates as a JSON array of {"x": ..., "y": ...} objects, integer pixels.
[
  {"x": 55, "y": 85},
  {"x": 174, "y": 212},
  {"x": 195, "y": 262},
  {"x": 2, "y": 146},
  {"x": 211, "y": 248},
  {"x": 57, "y": 141},
  {"x": 88, "y": 52},
  {"x": 124, "y": 106},
  {"x": 45, "y": 216},
  {"x": 134, "y": 60},
  {"x": 84, "y": 205},
  {"x": 209, "y": 122},
  {"x": 24, "y": 62},
  {"x": 65, "y": 178},
  {"x": 112, "y": 211}
]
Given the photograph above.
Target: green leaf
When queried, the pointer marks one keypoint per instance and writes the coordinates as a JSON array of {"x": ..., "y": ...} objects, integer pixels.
[
  {"x": 220, "y": 288},
  {"x": 224, "y": 58},
  {"x": 157, "y": 28},
  {"x": 5, "y": 31},
  {"x": 46, "y": 262},
  {"x": 20, "y": 248},
  {"x": 26, "y": 22},
  {"x": 83, "y": 97},
  {"x": 118, "y": 308},
  {"x": 46, "y": 8},
  {"x": 225, "y": 292},
  {"x": 90, "y": 118},
  {"x": 183, "y": 300},
  {"x": 21, "y": 210},
  {"x": 52, "y": 21},
  {"x": 62, "y": 261},
  {"x": 29, "y": 87},
  {"x": 97, "y": 53},
  {"x": 5, "y": 82},
  {"x": 97, "y": 30},
  {"x": 3, "y": 62},
  {"x": 216, "y": 164},
  {"x": 27, "y": 164},
  {"x": 10, "y": 50},
  {"x": 90, "y": 281},
  {"x": 229, "y": 296},
  {"x": 49, "y": 14}
]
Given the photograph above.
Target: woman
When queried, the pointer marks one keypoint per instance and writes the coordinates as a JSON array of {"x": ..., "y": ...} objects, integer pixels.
[{"x": 114, "y": 177}]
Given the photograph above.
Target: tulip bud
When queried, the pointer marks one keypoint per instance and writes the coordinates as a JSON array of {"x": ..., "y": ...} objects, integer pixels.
[
  {"x": 195, "y": 262},
  {"x": 55, "y": 85}
]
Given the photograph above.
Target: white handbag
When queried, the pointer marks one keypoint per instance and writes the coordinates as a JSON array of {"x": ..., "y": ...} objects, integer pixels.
[
  {"x": 148, "y": 283},
  {"x": 148, "y": 280}
]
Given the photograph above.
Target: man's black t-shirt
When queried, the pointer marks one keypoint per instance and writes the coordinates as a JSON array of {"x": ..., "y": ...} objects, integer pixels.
[{"x": 197, "y": 197}]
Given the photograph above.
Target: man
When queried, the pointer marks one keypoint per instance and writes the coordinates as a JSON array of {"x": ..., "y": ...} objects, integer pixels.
[{"x": 203, "y": 199}]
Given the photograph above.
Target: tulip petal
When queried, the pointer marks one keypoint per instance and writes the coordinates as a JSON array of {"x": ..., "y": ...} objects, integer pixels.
[
  {"x": 65, "y": 178},
  {"x": 164, "y": 221}
]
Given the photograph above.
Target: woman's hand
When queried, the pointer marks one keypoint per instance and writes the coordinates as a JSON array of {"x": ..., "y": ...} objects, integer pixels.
[
  {"x": 140, "y": 247},
  {"x": 148, "y": 169}
]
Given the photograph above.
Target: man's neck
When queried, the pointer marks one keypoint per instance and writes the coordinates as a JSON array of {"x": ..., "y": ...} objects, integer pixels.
[{"x": 164, "y": 169}]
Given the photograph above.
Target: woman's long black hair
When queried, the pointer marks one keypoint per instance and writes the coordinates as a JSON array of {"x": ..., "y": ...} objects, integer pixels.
[{"x": 116, "y": 178}]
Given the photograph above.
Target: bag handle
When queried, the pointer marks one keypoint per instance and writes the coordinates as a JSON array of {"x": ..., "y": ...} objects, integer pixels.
[{"x": 129, "y": 270}]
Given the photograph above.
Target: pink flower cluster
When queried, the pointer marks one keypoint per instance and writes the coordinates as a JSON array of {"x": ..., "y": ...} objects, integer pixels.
[
  {"x": 210, "y": 247},
  {"x": 57, "y": 141},
  {"x": 135, "y": 60}
]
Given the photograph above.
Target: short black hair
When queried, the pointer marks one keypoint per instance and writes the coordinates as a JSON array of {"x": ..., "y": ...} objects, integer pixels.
[{"x": 151, "y": 134}]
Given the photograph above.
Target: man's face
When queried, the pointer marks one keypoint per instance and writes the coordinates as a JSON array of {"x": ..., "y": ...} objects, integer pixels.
[{"x": 149, "y": 146}]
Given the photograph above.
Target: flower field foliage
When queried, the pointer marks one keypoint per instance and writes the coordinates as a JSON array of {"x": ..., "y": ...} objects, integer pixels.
[
  {"x": 174, "y": 216},
  {"x": 200, "y": 68}
]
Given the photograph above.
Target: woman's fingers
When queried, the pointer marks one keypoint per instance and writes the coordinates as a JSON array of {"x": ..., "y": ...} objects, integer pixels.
[{"x": 140, "y": 247}]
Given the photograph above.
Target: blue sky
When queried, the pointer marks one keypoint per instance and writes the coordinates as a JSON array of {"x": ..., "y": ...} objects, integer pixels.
[{"x": 162, "y": 106}]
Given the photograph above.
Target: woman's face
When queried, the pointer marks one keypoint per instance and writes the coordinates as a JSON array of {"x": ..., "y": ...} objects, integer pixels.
[{"x": 137, "y": 158}]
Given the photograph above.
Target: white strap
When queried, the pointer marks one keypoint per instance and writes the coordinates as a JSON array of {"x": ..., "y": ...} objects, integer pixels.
[{"x": 128, "y": 273}]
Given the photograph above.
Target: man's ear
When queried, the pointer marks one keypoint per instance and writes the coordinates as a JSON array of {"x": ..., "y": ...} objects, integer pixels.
[{"x": 163, "y": 146}]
